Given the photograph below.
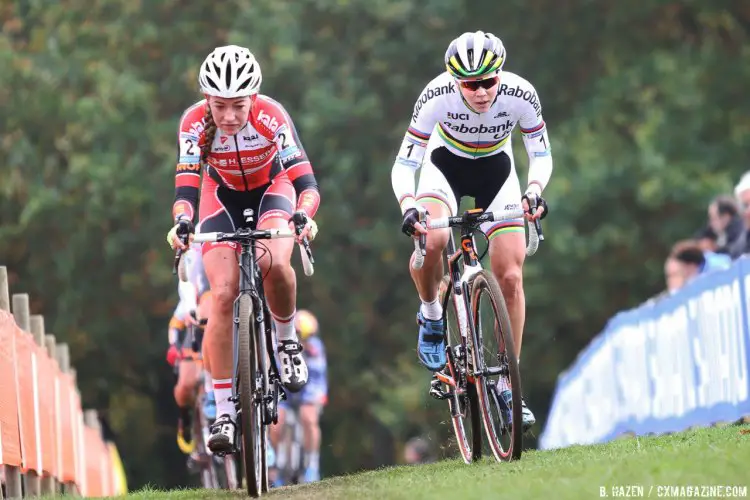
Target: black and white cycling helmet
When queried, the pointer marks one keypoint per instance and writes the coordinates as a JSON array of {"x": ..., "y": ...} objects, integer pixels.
[
  {"x": 229, "y": 72},
  {"x": 474, "y": 55}
]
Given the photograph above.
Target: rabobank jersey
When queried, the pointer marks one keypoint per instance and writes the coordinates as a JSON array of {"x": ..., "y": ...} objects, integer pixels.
[{"x": 442, "y": 110}]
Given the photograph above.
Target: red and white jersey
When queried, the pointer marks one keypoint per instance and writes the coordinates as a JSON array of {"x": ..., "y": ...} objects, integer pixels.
[{"x": 268, "y": 145}]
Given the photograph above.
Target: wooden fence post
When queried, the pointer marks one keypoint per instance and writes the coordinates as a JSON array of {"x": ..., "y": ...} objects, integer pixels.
[
  {"x": 35, "y": 325},
  {"x": 50, "y": 484},
  {"x": 62, "y": 354},
  {"x": 4, "y": 291},
  {"x": 12, "y": 475}
]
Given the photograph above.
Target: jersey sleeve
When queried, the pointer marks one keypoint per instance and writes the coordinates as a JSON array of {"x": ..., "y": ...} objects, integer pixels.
[
  {"x": 536, "y": 141},
  {"x": 177, "y": 323},
  {"x": 187, "y": 174},
  {"x": 413, "y": 146},
  {"x": 275, "y": 123}
]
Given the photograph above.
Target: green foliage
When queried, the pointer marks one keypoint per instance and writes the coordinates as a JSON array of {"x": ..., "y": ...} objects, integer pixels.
[{"x": 645, "y": 107}]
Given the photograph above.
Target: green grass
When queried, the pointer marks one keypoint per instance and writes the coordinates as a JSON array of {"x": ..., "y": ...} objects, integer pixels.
[{"x": 708, "y": 456}]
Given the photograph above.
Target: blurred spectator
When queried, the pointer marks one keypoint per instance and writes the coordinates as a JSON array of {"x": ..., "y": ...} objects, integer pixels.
[
  {"x": 687, "y": 260},
  {"x": 706, "y": 239},
  {"x": 673, "y": 274},
  {"x": 417, "y": 451},
  {"x": 725, "y": 222},
  {"x": 742, "y": 193}
]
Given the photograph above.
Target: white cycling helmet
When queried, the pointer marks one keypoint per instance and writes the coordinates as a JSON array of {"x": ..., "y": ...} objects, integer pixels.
[
  {"x": 229, "y": 72},
  {"x": 474, "y": 55}
]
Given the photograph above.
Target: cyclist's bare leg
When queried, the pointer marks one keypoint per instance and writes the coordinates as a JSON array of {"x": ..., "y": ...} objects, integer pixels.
[
  {"x": 184, "y": 396},
  {"x": 209, "y": 398},
  {"x": 309, "y": 415},
  {"x": 187, "y": 381},
  {"x": 204, "y": 311},
  {"x": 507, "y": 253},
  {"x": 427, "y": 279},
  {"x": 280, "y": 281},
  {"x": 276, "y": 428},
  {"x": 223, "y": 275},
  {"x": 274, "y": 435}
]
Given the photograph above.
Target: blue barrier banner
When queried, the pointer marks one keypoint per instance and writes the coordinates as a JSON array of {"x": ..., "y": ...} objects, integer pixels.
[{"x": 668, "y": 365}]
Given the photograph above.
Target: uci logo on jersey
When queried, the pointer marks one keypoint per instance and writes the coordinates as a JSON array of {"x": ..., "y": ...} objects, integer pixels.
[
  {"x": 268, "y": 120},
  {"x": 458, "y": 116}
]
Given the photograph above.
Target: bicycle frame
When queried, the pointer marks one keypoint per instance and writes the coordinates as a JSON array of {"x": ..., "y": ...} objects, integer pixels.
[
  {"x": 250, "y": 283},
  {"x": 460, "y": 294},
  {"x": 466, "y": 255}
]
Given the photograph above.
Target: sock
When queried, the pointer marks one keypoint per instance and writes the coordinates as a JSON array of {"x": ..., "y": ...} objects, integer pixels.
[
  {"x": 313, "y": 460},
  {"x": 285, "y": 327},
  {"x": 208, "y": 383},
  {"x": 432, "y": 310},
  {"x": 502, "y": 384},
  {"x": 223, "y": 391}
]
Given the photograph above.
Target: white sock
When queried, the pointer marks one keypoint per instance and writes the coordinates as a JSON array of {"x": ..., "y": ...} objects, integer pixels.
[
  {"x": 285, "y": 328},
  {"x": 208, "y": 382},
  {"x": 223, "y": 391},
  {"x": 432, "y": 310},
  {"x": 313, "y": 459},
  {"x": 502, "y": 384}
]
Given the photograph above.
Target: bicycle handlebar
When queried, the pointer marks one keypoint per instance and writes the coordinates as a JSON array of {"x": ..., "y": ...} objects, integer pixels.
[
  {"x": 470, "y": 219},
  {"x": 262, "y": 234}
]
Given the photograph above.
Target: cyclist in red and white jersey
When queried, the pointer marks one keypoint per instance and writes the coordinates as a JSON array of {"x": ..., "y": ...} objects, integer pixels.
[
  {"x": 460, "y": 136},
  {"x": 248, "y": 150}
]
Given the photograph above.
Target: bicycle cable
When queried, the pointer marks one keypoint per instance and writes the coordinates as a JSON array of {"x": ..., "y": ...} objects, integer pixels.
[
  {"x": 487, "y": 238},
  {"x": 266, "y": 250}
]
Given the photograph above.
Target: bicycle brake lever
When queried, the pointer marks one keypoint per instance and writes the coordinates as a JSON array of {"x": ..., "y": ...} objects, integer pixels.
[{"x": 300, "y": 221}]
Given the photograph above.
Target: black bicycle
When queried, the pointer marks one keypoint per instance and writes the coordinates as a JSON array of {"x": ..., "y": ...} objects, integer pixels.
[
  {"x": 481, "y": 368},
  {"x": 257, "y": 384}
]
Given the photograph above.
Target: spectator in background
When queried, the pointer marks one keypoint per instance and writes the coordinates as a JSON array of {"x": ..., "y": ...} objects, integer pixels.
[
  {"x": 706, "y": 239},
  {"x": 742, "y": 192},
  {"x": 725, "y": 222},
  {"x": 673, "y": 275},
  {"x": 687, "y": 260},
  {"x": 417, "y": 451}
]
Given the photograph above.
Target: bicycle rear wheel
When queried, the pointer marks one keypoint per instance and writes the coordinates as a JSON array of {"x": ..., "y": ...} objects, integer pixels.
[
  {"x": 250, "y": 413},
  {"x": 463, "y": 405},
  {"x": 496, "y": 367}
]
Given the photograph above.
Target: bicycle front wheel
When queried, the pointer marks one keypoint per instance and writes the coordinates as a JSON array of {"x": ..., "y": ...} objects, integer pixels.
[
  {"x": 251, "y": 426},
  {"x": 462, "y": 398},
  {"x": 496, "y": 376}
]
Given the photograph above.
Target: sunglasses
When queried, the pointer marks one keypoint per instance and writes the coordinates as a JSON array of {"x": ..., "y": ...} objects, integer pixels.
[{"x": 474, "y": 85}]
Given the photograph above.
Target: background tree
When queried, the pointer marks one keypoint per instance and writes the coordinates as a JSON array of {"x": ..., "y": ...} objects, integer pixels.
[{"x": 647, "y": 116}]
